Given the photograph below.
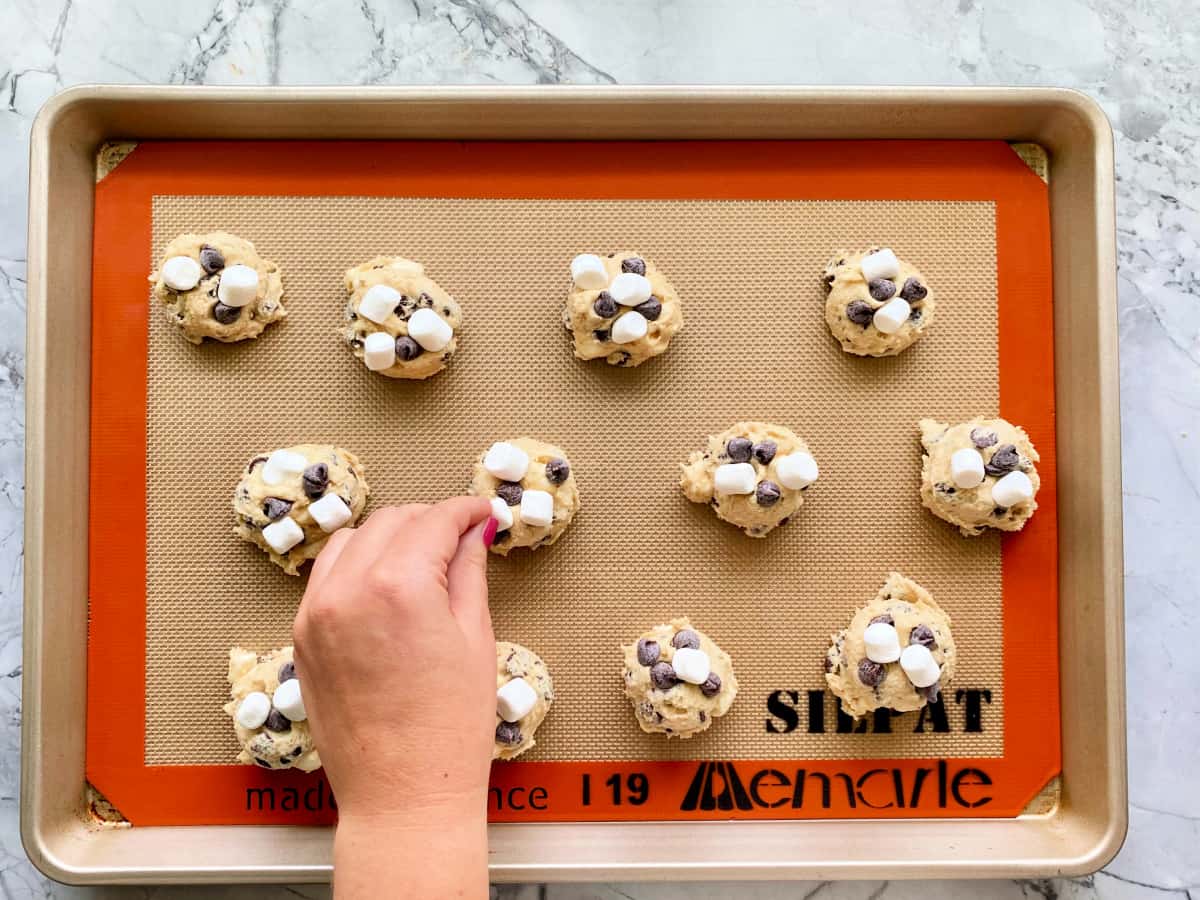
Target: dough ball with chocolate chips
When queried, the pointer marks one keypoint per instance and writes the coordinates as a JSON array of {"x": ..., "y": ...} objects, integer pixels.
[
  {"x": 268, "y": 711},
  {"x": 290, "y": 501},
  {"x": 678, "y": 680},
  {"x": 400, "y": 322},
  {"x": 752, "y": 474},
  {"x": 979, "y": 474},
  {"x": 875, "y": 303},
  {"x": 620, "y": 308},
  {"x": 897, "y": 652},
  {"x": 532, "y": 488},
  {"x": 520, "y": 709},
  {"x": 217, "y": 286}
]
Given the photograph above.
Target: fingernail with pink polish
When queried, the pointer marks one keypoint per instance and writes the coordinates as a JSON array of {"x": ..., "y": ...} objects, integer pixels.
[{"x": 489, "y": 531}]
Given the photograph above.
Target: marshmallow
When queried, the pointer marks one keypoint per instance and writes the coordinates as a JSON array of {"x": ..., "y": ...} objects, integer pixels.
[
  {"x": 629, "y": 327},
  {"x": 330, "y": 512},
  {"x": 588, "y": 272},
  {"x": 1013, "y": 488},
  {"x": 253, "y": 710},
  {"x": 735, "y": 478},
  {"x": 883, "y": 644},
  {"x": 920, "y": 666},
  {"x": 882, "y": 264},
  {"x": 502, "y": 514},
  {"x": 891, "y": 317},
  {"x": 630, "y": 289},
  {"x": 537, "y": 508},
  {"x": 281, "y": 464},
  {"x": 288, "y": 700},
  {"x": 966, "y": 468},
  {"x": 379, "y": 351},
  {"x": 181, "y": 273},
  {"x": 238, "y": 286},
  {"x": 378, "y": 303},
  {"x": 429, "y": 330},
  {"x": 506, "y": 461},
  {"x": 796, "y": 470},
  {"x": 283, "y": 535},
  {"x": 515, "y": 700},
  {"x": 691, "y": 665}
]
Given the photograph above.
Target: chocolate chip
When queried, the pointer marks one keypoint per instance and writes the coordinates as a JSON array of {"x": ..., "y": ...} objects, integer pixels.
[
  {"x": 712, "y": 685},
  {"x": 828, "y": 281},
  {"x": 356, "y": 343},
  {"x": 634, "y": 264},
  {"x": 287, "y": 672},
  {"x": 510, "y": 492},
  {"x": 923, "y": 634},
  {"x": 913, "y": 291},
  {"x": 686, "y": 638},
  {"x": 508, "y": 733},
  {"x": 424, "y": 299},
  {"x": 316, "y": 478},
  {"x": 605, "y": 306},
  {"x": 827, "y": 664},
  {"x": 446, "y": 311},
  {"x": 859, "y": 312},
  {"x": 262, "y": 762},
  {"x": 886, "y": 619},
  {"x": 882, "y": 288},
  {"x": 211, "y": 259},
  {"x": 1003, "y": 461},
  {"x": 501, "y": 537},
  {"x": 226, "y": 315},
  {"x": 600, "y": 334},
  {"x": 257, "y": 461},
  {"x": 276, "y": 507},
  {"x": 767, "y": 493},
  {"x": 277, "y": 722},
  {"x": 932, "y": 692},
  {"x": 651, "y": 308},
  {"x": 983, "y": 438},
  {"x": 296, "y": 751},
  {"x": 557, "y": 471},
  {"x": 1000, "y": 511},
  {"x": 738, "y": 449},
  {"x": 943, "y": 487},
  {"x": 870, "y": 673},
  {"x": 647, "y": 652},
  {"x": 703, "y": 716},
  {"x": 662, "y": 676},
  {"x": 764, "y": 451},
  {"x": 406, "y": 348}
]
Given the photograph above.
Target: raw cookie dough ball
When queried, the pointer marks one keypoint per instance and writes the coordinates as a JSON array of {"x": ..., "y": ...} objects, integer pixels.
[
  {"x": 875, "y": 670},
  {"x": 620, "y": 307},
  {"x": 208, "y": 283},
  {"x": 520, "y": 709},
  {"x": 268, "y": 711},
  {"x": 678, "y": 680},
  {"x": 390, "y": 295},
  {"x": 291, "y": 501},
  {"x": 877, "y": 305},
  {"x": 752, "y": 474},
  {"x": 979, "y": 474},
  {"x": 532, "y": 488}
]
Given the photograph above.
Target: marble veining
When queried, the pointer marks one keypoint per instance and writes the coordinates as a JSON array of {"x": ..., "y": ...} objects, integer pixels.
[{"x": 1137, "y": 57}]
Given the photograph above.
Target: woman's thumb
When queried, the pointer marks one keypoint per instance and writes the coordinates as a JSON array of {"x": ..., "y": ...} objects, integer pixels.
[{"x": 466, "y": 578}]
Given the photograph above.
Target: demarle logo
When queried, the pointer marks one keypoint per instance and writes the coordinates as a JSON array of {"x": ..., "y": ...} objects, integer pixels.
[{"x": 701, "y": 793}]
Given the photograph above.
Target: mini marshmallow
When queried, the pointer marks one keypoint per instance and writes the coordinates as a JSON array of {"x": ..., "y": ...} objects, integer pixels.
[
  {"x": 238, "y": 286},
  {"x": 735, "y": 478},
  {"x": 330, "y": 512},
  {"x": 253, "y": 710},
  {"x": 288, "y": 700},
  {"x": 891, "y": 317},
  {"x": 691, "y": 665},
  {"x": 537, "y": 508},
  {"x": 966, "y": 468},
  {"x": 379, "y": 351},
  {"x": 502, "y": 514},
  {"x": 429, "y": 330},
  {"x": 281, "y": 464},
  {"x": 630, "y": 289},
  {"x": 515, "y": 700},
  {"x": 882, "y": 642},
  {"x": 283, "y": 535},
  {"x": 1013, "y": 488},
  {"x": 378, "y": 303},
  {"x": 882, "y": 264},
  {"x": 506, "y": 461},
  {"x": 920, "y": 666},
  {"x": 588, "y": 272},
  {"x": 181, "y": 273},
  {"x": 796, "y": 470},
  {"x": 629, "y": 327}
]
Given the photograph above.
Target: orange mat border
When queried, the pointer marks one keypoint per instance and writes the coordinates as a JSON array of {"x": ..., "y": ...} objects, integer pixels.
[{"x": 816, "y": 170}]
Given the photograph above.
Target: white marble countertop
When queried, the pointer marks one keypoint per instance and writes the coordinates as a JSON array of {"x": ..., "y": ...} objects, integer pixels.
[{"x": 1137, "y": 57}]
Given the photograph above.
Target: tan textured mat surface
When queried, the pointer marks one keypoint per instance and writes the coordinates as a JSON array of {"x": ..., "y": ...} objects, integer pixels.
[{"x": 754, "y": 346}]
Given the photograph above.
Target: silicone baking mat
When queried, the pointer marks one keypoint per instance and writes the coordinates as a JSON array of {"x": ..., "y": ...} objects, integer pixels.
[{"x": 743, "y": 231}]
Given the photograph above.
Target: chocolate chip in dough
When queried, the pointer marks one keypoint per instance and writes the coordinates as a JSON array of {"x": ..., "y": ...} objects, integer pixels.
[
  {"x": 257, "y": 461},
  {"x": 686, "y": 639},
  {"x": 262, "y": 762},
  {"x": 712, "y": 685},
  {"x": 860, "y": 313},
  {"x": 923, "y": 634},
  {"x": 651, "y": 309},
  {"x": 287, "y": 672},
  {"x": 932, "y": 692},
  {"x": 406, "y": 348},
  {"x": 647, "y": 652},
  {"x": 828, "y": 281},
  {"x": 738, "y": 449},
  {"x": 605, "y": 306},
  {"x": 764, "y": 451},
  {"x": 662, "y": 676},
  {"x": 211, "y": 259},
  {"x": 276, "y": 508},
  {"x": 886, "y": 619},
  {"x": 983, "y": 437},
  {"x": 870, "y": 673},
  {"x": 634, "y": 264},
  {"x": 424, "y": 299},
  {"x": 913, "y": 291},
  {"x": 882, "y": 288},
  {"x": 600, "y": 334},
  {"x": 508, "y": 733},
  {"x": 226, "y": 315},
  {"x": 510, "y": 492},
  {"x": 277, "y": 722},
  {"x": 501, "y": 537},
  {"x": 557, "y": 471},
  {"x": 767, "y": 493},
  {"x": 316, "y": 477},
  {"x": 1003, "y": 461}
]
